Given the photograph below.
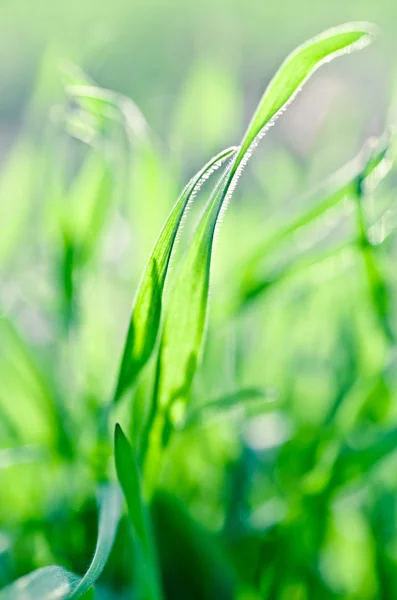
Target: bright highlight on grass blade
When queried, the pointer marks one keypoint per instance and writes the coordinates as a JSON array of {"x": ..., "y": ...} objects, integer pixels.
[
  {"x": 296, "y": 70},
  {"x": 186, "y": 316},
  {"x": 146, "y": 313}
]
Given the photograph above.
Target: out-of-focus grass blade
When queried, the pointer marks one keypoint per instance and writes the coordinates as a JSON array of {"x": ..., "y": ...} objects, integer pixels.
[
  {"x": 87, "y": 203},
  {"x": 370, "y": 166},
  {"x": 48, "y": 583},
  {"x": 129, "y": 478},
  {"x": 110, "y": 509},
  {"x": 246, "y": 399},
  {"x": 56, "y": 583},
  {"x": 16, "y": 189},
  {"x": 23, "y": 454},
  {"x": 102, "y": 104},
  {"x": 378, "y": 287},
  {"x": 83, "y": 214},
  {"x": 334, "y": 190},
  {"x": 357, "y": 461},
  {"x": 192, "y": 560},
  {"x": 186, "y": 317},
  {"x": 146, "y": 312},
  {"x": 259, "y": 286}
]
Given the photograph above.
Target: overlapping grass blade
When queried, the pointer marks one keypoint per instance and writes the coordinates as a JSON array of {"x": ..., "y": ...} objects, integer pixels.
[
  {"x": 130, "y": 481},
  {"x": 186, "y": 317},
  {"x": 55, "y": 582},
  {"x": 146, "y": 313}
]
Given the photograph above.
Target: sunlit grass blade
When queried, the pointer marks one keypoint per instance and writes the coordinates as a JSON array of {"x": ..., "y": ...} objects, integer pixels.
[
  {"x": 298, "y": 67},
  {"x": 186, "y": 317},
  {"x": 130, "y": 481},
  {"x": 146, "y": 313}
]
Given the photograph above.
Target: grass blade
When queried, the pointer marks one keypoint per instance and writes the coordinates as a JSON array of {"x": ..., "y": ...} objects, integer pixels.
[
  {"x": 110, "y": 509},
  {"x": 48, "y": 583},
  {"x": 129, "y": 478},
  {"x": 146, "y": 313},
  {"x": 185, "y": 321},
  {"x": 296, "y": 70},
  {"x": 56, "y": 583},
  {"x": 245, "y": 400}
]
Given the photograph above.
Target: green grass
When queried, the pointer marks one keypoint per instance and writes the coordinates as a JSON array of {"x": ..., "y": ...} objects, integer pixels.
[{"x": 232, "y": 436}]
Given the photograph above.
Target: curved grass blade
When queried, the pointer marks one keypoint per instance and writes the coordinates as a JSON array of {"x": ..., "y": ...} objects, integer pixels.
[
  {"x": 129, "y": 478},
  {"x": 146, "y": 312},
  {"x": 110, "y": 510},
  {"x": 296, "y": 70},
  {"x": 185, "y": 321},
  {"x": 56, "y": 583}
]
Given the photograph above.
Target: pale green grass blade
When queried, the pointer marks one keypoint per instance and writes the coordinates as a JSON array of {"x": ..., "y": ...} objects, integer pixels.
[
  {"x": 332, "y": 192},
  {"x": 298, "y": 67},
  {"x": 48, "y": 583},
  {"x": 369, "y": 167},
  {"x": 146, "y": 313},
  {"x": 110, "y": 510},
  {"x": 56, "y": 583},
  {"x": 130, "y": 481},
  {"x": 244, "y": 400},
  {"x": 186, "y": 317},
  {"x": 21, "y": 455}
]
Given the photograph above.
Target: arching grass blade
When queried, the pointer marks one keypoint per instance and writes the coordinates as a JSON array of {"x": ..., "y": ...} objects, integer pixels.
[{"x": 146, "y": 312}]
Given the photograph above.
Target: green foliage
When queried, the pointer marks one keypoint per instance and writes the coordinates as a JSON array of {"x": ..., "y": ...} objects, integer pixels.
[
  {"x": 56, "y": 582},
  {"x": 263, "y": 433}
]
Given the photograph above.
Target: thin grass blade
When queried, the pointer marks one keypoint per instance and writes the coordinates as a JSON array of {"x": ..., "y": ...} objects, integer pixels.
[
  {"x": 55, "y": 582},
  {"x": 110, "y": 510},
  {"x": 146, "y": 312},
  {"x": 130, "y": 481}
]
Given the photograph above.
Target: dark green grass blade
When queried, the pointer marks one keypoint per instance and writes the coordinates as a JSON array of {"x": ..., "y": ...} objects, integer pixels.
[
  {"x": 146, "y": 313},
  {"x": 130, "y": 481}
]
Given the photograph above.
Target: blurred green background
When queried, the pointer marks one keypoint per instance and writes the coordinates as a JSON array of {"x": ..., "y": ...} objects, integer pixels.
[{"x": 284, "y": 488}]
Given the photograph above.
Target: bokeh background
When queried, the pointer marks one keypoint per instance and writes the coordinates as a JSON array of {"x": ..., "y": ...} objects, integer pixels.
[{"x": 293, "y": 496}]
